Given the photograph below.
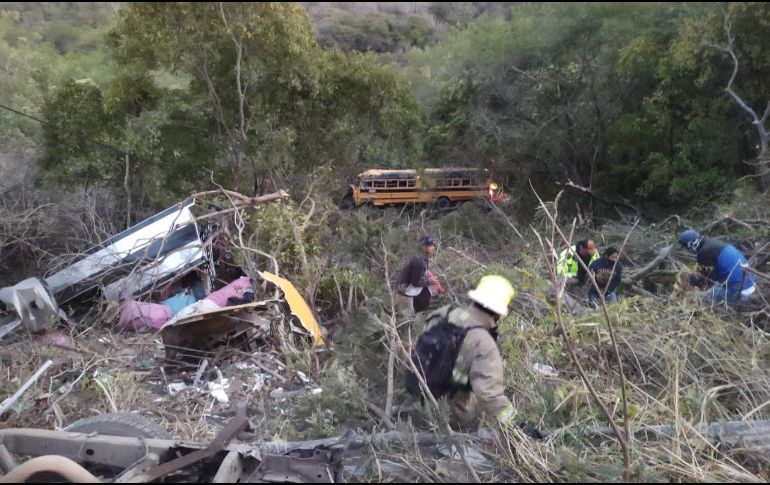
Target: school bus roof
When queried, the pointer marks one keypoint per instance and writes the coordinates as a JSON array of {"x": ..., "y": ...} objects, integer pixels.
[{"x": 411, "y": 173}]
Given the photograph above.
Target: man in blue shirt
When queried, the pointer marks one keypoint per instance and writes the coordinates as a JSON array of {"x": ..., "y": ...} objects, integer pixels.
[
  {"x": 607, "y": 272},
  {"x": 724, "y": 263}
]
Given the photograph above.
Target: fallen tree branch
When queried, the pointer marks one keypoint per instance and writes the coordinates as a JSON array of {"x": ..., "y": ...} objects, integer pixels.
[
  {"x": 220, "y": 191},
  {"x": 623, "y": 202},
  {"x": 662, "y": 272},
  {"x": 240, "y": 226},
  {"x": 250, "y": 202},
  {"x": 643, "y": 292},
  {"x": 382, "y": 415},
  {"x": 752, "y": 270},
  {"x": 467, "y": 257},
  {"x": 672, "y": 216},
  {"x": 729, "y": 219},
  {"x": 759, "y": 258},
  {"x": 507, "y": 219},
  {"x": 639, "y": 274}
]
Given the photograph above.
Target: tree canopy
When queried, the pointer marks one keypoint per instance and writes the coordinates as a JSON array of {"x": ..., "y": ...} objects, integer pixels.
[{"x": 626, "y": 100}]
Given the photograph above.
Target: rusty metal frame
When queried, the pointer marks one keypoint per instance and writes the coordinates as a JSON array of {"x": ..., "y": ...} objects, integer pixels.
[
  {"x": 85, "y": 448},
  {"x": 293, "y": 469},
  {"x": 146, "y": 460}
]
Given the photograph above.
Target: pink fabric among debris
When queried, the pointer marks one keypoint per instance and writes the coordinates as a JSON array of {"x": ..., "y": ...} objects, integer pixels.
[
  {"x": 135, "y": 315},
  {"x": 138, "y": 314},
  {"x": 235, "y": 289}
]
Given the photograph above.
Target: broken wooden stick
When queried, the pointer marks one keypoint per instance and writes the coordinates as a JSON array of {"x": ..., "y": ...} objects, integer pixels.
[
  {"x": 643, "y": 292},
  {"x": 382, "y": 415},
  {"x": 622, "y": 202},
  {"x": 251, "y": 202},
  {"x": 752, "y": 270},
  {"x": 11, "y": 400},
  {"x": 724, "y": 221},
  {"x": 642, "y": 272},
  {"x": 220, "y": 442},
  {"x": 467, "y": 257}
]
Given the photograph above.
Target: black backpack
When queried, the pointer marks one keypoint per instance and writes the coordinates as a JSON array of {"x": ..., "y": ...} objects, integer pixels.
[{"x": 434, "y": 356}]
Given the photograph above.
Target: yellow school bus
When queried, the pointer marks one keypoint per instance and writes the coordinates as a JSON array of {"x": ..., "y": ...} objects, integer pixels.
[{"x": 440, "y": 186}]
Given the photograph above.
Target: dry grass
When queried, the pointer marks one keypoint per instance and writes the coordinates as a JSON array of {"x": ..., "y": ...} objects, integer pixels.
[{"x": 685, "y": 364}]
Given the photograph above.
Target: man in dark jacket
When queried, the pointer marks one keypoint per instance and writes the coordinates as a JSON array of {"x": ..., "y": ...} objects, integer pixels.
[
  {"x": 607, "y": 272},
  {"x": 415, "y": 274},
  {"x": 724, "y": 264}
]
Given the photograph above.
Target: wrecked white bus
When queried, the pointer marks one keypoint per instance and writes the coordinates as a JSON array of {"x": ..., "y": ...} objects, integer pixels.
[{"x": 127, "y": 264}]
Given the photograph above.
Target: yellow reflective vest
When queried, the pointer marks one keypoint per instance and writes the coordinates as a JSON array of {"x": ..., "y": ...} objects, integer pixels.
[{"x": 568, "y": 265}]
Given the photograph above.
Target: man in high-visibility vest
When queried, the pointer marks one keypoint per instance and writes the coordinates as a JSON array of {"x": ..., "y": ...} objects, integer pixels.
[{"x": 568, "y": 266}]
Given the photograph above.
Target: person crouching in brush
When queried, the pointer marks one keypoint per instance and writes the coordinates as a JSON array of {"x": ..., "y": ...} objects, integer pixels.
[
  {"x": 607, "y": 272},
  {"x": 724, "y": 264}
]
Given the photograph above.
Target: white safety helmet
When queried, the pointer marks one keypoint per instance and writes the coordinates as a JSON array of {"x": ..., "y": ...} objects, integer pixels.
[{"x": 493, "y": 293}]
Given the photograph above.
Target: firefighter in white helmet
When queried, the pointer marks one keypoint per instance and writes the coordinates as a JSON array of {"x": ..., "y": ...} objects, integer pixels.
[
  {"x": 458, "y": 355},
  {"x": 479, "y": 364}
]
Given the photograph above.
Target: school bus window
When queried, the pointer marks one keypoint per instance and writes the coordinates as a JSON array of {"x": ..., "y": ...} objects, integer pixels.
[
  {"x": 379, "y": 184},
  {"x": 411, "y": 183},
  {"x": 466, "y": 182},
  {"x": 392, "y": 183},
  {"x": 402, "y": 183}
]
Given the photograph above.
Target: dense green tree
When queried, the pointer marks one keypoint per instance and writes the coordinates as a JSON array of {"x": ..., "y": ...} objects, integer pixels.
[
  {"x": 241, "y": 89},
  {"x": 76, "y": 121},
  {"x": 627, "y": 100},
  {"x": 624, "y": 99},
  {"x": 375, "y": 32},
  {"x": 688, "y": 137},
  {"x": 41, "y": 46}
]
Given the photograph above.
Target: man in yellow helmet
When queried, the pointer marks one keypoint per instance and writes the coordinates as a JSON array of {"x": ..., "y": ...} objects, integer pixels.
[{"x": 458, "y": 355}]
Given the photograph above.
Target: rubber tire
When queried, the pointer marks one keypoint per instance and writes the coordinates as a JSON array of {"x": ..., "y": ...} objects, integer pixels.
[
  {"x": 120, "y": 424},
  {"x": 443, "y": 204},
  {"x": 347, "y": 203}
]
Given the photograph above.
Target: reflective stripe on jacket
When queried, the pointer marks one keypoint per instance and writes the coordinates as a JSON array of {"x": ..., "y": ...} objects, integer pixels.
[
  {"x": 480, "y": 364},
  {"x": 567, "y": 264}
]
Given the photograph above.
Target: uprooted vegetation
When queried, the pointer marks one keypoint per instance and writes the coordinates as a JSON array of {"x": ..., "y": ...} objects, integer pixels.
[{"x": 685, "y": 364}]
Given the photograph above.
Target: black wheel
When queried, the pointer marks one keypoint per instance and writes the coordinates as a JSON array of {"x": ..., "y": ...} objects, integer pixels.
[
  {"x": 119, "y": 424},
  {"x": 443, "y": 204},
  {"x": 347, "y": 203}
]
